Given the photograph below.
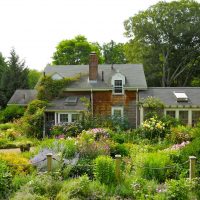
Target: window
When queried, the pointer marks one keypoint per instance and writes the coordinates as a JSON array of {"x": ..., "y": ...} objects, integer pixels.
[
  {"x": 50, "y": 116},
  {"x": 183, "y": 116},
  {"x": 195, "y": 117},
  {"x": 64, "y": 118},
  {"x": 68, "y": 117},
  {"x": 75, "y": 117},
  {"x": 181, "y": 96},
  {"x": 171, "y": 113},
  {"x": 117, "y": 111},
  {"x": 118, "y": 88}
]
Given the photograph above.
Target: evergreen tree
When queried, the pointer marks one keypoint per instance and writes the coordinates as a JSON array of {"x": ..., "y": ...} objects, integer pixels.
[{"x": 14, "y": 77}]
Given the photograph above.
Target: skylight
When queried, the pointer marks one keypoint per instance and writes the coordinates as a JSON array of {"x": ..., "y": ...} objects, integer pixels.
[
  {"x": 72, "y": 100},
  {"x": 181, "y": 96}
]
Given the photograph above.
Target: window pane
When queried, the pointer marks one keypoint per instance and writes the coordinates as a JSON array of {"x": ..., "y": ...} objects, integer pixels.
[
  {"x": 117, "y": 113},
  {"x": 183, "y": 116},
  {"x": 75, "y": 117},
  {"x": 195, "y": 117},
  {"x": 171, "y": 113},
  {"x": 118, "y": 82},
  {"x": 63, "y": 118},
  {"x": 118, "y": 89},
  {"x": 50, "y": 116}
]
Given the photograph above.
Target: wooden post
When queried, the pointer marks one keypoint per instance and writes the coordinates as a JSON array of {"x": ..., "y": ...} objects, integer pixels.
[
  {"x": 192, "y": 166},
  {"x": 117, "y": 168},
  {"x": 49, "y": 162}
]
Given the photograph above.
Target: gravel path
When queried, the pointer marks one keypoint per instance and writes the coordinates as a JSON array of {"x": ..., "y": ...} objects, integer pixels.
[{"x": 16, "y": 150}]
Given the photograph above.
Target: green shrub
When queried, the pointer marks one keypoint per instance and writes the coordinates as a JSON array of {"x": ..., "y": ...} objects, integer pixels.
[
  {"x": 179, "y": 134},
  {"x": 177, "y": 189},
  {"x": 121, "y": 149},
  {"x": 11, "y": 112},
  {"x": 153, "y": 128},
  {"x": 90, "y": 148},
  {"x": 154, "y": 166},
  {"x": 34, "y": 105},
  {"x": 19, "y": 180},
  {"x": 5, "y": 181},
  {"x": 42, "y": 187},
  {"x": 81, "y": 188},
  {"x": 6, "y": 126},
  {"x": 104, "y": 170},
  {"x": 84, "y": 166}
]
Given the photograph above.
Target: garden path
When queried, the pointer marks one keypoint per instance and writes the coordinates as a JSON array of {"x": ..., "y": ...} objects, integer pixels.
[{"x": 15, "y": 150}]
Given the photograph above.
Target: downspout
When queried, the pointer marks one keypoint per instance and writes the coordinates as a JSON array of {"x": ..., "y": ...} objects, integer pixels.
[
  {"x": 92, "y": 103},
  {"x": 137, "y": 100}
]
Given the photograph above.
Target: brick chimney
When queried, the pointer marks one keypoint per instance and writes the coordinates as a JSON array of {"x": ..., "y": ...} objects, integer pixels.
[{"x": 93, "y": 67}]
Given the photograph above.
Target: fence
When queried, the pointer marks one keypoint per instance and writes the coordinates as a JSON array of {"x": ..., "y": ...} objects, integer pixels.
[{"x": 49, "y": 158}]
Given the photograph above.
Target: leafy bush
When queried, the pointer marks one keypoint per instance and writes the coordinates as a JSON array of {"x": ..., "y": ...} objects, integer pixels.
[
  {"x": 153, "y": 128},
  {"x": 84, "y": 166},
  {"x": 152, "y": 106},
  {"x": 5, "y": 181},
  {"x": 121, "y": 149},
  {"x": 34, "y": 105},
  {"x": 19, "y": 180},
  {"x": 104, "y": 170},
  {"x": 154, "y": 166},
  {"x": 11, "y": 112},
  {"x": 90, "y": 148},
  {"x": 6, "y": 126},
  {"x": 82, "y": 188},
  {"x": 20, "y": 165},
  {"x": 41, "y": 187},
  {"x": 179, "y": 134},
  {"x": 177, "y": 189}
]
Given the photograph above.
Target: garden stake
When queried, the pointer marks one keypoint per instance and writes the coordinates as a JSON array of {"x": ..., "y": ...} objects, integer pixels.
[
  {"x": 192, "y": 166},
  {"x": 117, "y": 168},
  {"x": 49, "y": 162}
]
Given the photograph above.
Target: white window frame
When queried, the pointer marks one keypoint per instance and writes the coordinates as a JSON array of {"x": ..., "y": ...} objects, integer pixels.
[
  {"x": 116, "y": 86},
  {"x": 121, "y": 108},
  {"x": 118, "y": 77},
  {"x": 182, "y": 109},
  {"x": 69, "y": 116}
]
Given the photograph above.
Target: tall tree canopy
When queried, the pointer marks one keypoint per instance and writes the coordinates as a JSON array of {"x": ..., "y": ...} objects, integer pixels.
[
  {"x": 75, "y": 51},
  {"x": 33, "y": 77},
  {"x": 15, "y": 77},
  {"x": 113, "y": 53},
  {"x": 166, "y": 39}
]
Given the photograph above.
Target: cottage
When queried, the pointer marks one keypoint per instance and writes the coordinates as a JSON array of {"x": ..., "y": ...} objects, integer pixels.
[{"x": 112, "y": 90}]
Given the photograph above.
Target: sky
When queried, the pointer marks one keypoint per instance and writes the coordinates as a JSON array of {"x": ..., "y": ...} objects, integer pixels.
[{"x": 35, "y": 27}]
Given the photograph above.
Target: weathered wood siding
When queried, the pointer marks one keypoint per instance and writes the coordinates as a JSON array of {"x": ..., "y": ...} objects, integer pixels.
[{"x": 103, "y": 102}]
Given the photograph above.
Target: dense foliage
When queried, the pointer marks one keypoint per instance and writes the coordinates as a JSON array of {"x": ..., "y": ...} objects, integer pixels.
[
  {"x": 75, "y": 51},
  {"x": 165, "y": 38}
]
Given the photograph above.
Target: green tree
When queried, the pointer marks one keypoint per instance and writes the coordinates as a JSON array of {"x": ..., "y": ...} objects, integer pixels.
[
  {"x": 114, "y": 53},
  {"x": 75, "y": 51},
  {"x": 33, "y": 77},
  {"x": 15, "y": 77},
  {"x": 3, "y": 65},
  {"x": 166, "y": 39}
]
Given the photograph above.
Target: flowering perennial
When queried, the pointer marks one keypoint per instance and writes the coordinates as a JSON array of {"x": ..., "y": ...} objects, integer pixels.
[{"x": 153, "y": 128}]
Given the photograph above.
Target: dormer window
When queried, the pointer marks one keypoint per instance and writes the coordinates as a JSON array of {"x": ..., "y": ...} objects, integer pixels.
[
  {"x": 118, "y": 82},
  {"x": 118, "y": 87}
]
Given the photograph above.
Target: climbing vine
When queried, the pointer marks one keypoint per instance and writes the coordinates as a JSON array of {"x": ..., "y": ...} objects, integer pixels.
[{"x": 48, "y": 88}]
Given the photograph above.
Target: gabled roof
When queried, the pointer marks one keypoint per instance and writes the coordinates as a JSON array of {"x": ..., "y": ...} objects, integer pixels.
[
  {"x": 134, "y": 73},
  {"x": 166, "y": 95},
  {"x": 23, "y": 97}
]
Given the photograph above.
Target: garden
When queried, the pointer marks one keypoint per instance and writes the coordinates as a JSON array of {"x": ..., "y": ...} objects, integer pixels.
[{"x": 97, "y": 158}]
